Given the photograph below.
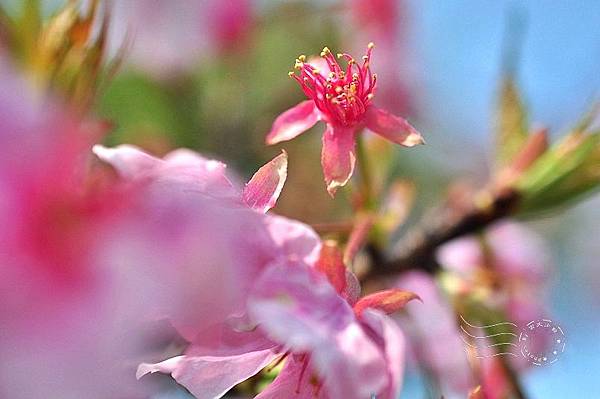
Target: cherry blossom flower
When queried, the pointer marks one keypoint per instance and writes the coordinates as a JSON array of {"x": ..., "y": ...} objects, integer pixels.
[
  {"x": 334, "y": 344},
  {"x": 60, "y": 323},
  {"x": 100, "y": 272},
  {"x": 519, "y": 263},
  {"x": 434, "y": 339},
  {"x": 255, "y": 238},
  {"x": 386, "y": 22},
  {"x": 169, "y": 38},
  {"x": 343, "y": 100},
  {"x": 511, "y": 270}
]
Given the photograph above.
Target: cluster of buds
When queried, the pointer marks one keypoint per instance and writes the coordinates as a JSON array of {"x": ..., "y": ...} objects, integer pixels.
[{"x": 66, "y": 54}]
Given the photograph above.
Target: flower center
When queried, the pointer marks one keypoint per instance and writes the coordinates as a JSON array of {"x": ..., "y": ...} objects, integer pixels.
[{"x": 341, "y": 95}]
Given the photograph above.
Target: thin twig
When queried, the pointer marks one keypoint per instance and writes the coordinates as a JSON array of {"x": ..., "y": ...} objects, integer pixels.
[{"x": 417, "y": 249}]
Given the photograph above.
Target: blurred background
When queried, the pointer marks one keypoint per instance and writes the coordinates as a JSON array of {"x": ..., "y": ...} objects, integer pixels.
[{"x": 212, "y": 75}]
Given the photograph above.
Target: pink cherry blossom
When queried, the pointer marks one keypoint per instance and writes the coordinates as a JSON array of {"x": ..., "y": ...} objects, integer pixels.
[
  {"x": 519, "y": 258},
  {"x": 433, "y": 335},
  {"x": 343, "y": 100},
  {"x": 255, "y": 239},
  {"x": 303, "y": 315},
  {"x": 385, "y": 22},
  {"x": 61, "y": 326},
  {"x": 519, "y": 261},
  {"x": 98, "y": 269},
  {"x": 168, "y": 38}
]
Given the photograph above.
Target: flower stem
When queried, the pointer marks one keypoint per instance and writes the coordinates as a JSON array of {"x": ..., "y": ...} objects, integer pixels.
[{"x": 366, "y": 181}]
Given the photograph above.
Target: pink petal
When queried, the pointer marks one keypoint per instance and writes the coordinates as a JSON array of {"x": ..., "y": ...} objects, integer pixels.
[
  {"x": 337, "y": 157},
  {"x": 288, "y": 384},
  {"x": 394, "y": 347},
  {"x": 293, "y": 239},
  {"x": 293, "y": 122},
  {"x": 208, "y": 377},
  {"x": 129, "y": 161},
  {"x": 388, "y": 301},
  {"x": 331, "y": 264},
  {"x": 299, "y": 309},
  {"x": 183, "y": 168},
  {"x": 352, "y": 292},
  {"x": 392, "y": 127},
  {"x": 263, "y": 189},
  {"x": 439, "y": 344}
]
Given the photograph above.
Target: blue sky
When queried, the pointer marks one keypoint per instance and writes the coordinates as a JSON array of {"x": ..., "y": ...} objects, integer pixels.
[{"x": 457, "y": 46}]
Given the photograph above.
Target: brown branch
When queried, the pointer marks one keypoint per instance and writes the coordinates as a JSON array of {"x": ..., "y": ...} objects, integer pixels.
[{"x": 417, "y": 249}]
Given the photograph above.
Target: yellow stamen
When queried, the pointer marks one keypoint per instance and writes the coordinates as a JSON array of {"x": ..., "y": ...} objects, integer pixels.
[
  {"x": 370, "y": 45},
  {"x": 302, "y": 57},
  {"x": 325, "y": 52}
]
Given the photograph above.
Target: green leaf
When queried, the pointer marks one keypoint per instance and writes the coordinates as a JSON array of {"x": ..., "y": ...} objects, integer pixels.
[
  {"x": 566, "y": 173},
  {"x": 511, "y": 122}
]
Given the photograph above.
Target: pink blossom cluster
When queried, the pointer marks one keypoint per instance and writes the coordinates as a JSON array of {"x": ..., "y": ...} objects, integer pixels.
[
  {"x": 116, "y": 265},
  {"x": 109, "y": 255}
]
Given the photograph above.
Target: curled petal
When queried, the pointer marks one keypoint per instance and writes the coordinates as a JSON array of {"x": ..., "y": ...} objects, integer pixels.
[
  {"x": 129, "y": 161},
  {"x": 209, "y": 377},
  {"x": 331, "y": 264},
  {"x": 298, "y": 309},
  {"x": 263, "y": 189},
  {"x": 294, "y": 381},
  {"x": 392, "y": 127},
  {"x": 293, "y": 122},
  {"x": 387, "y": 301},
  {"x": 337, "y": 157},
  {"x": 393, "y": 345},
  {"x": 294, "y": 239}
]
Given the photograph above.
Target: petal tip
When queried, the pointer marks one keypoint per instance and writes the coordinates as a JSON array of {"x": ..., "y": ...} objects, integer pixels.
[
  {"x": 263, "y": 189},
  {"x": 143, "y": 369}
]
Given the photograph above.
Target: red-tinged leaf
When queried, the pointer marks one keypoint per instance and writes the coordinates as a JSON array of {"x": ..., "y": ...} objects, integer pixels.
[
  {"x": 331, "y": 264},
  {"x": 263, "y": 189},
  {"x": 388, "y": 301},
  {"x": 535, "y": 146}
]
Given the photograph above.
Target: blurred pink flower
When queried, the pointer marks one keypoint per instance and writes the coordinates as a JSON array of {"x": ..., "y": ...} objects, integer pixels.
[
  {"x": 343, "y": 100},
  {"x": 520, "y": 259},
  {"x": 335, "y": 344},
  {"x": 517, "y": 260},
  {"x": 252, "y": 242},
  {"x": 92, "y": 265},
  {"x": 62, "y": 333},
  {"x": 173, "y": 36},
  {"x": 385, "y": 22},
  {"x": 433, "y": 335}
]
